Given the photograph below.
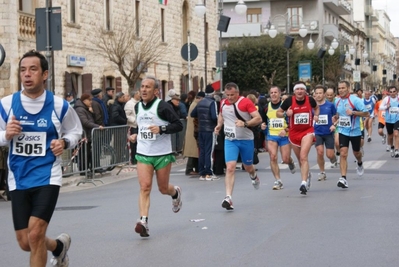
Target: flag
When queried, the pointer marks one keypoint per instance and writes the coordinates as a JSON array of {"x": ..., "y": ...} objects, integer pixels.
[{"x": 163, "y": 2}]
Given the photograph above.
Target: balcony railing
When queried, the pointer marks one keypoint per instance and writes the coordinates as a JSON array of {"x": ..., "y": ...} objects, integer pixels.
[{"x": 27, "y": 26}]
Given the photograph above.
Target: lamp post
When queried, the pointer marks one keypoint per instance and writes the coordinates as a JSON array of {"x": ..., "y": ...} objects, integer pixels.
[
  {"x": 200, "y": 11},
  {"x": 272, "y": 32},
  {"x": 334, "y": 45}
]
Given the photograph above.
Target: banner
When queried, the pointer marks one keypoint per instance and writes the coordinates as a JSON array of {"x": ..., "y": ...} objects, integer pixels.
[{"x": 305, "y": 71}]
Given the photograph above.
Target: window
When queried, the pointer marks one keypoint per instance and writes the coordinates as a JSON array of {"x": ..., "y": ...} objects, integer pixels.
[
  {"x": 162, "y": 25},
  {"x": 206, "y": 37},
  {"x": 108, "y": 15},
  {"x": 26, "y": 6},
  {"x": 72, "y": 11},
  {"x": 110, "y": 82},
  {"x": 254, "y": 15},
  {"x": 137, "y": 17},
  {"x": 295, "y": 16}
]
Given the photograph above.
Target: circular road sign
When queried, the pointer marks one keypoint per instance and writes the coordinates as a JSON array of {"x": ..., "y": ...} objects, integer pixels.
[
  {"x": 193, "y": 52},
  {"x": 2, "y": 55}
]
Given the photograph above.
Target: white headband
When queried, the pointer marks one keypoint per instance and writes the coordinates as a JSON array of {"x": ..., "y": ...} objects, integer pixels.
[{"x": 299, "y": 85}]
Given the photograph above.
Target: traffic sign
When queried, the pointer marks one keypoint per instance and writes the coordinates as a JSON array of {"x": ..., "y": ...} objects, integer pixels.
[
  {"x": 2, "y": 55},
  {"x": 193, "y": 52},
  {"x": 356, "y": 75}
]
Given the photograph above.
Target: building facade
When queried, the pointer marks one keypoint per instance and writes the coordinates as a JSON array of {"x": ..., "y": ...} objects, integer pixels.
[{"x": 81, "y": 66}]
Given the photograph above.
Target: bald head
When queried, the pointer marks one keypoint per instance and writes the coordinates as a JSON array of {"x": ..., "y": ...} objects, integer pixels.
[{"x": 330, "y": 94}]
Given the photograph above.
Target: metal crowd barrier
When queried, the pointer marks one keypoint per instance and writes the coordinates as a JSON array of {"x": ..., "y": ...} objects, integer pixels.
[{"x": 108, "y": 148}]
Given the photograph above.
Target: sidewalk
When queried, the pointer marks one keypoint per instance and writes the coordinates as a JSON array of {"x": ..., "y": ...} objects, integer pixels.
[{"x": 128, "y": 171}]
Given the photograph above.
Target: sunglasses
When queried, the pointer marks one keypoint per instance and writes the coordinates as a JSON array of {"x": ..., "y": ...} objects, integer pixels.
[{"x": 392, "y": 91}]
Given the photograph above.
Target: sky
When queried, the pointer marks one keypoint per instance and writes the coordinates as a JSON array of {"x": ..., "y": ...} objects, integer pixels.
[{"x": 392, "y": 9}]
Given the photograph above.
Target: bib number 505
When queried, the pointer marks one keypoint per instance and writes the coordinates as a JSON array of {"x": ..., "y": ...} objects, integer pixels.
[{"x": 28, "y": 149}]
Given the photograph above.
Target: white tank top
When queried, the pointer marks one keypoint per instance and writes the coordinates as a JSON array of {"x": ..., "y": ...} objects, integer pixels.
[{"x": 149, "y": 144}]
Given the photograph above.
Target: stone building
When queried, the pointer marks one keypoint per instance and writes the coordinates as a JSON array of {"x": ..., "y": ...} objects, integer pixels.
[{"x": 81, "y": 66}]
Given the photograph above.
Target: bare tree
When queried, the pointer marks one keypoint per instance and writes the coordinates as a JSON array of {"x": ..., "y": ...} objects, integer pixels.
[
  {"x": 269, "y": 81},
  {"x": 132, "y": 54}
]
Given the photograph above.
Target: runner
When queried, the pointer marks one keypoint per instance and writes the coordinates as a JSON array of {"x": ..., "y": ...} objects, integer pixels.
[
  {"x": 238, "y": 114},
  {"x": 391, "y": 106},
  {"x": 369, "y": 102},
  {"x": 350, "y": 110},
  {"x": 324, "y": 131},
  {"x": 299, "y": 108},
  {"x": 381, "y": 120},
  {"x": 277, "y": 136},
  {"x": 156, "y": 121}
]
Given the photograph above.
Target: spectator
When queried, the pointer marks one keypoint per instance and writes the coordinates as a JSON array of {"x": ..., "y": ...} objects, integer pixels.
[
  {"x": 109, "y": 94},
  {"x": 118, "y": 117},
  {"x": 190, "y": 145},
  {"x": 100, "y": 111},
  {"x": 206, "y": 112},
  {"x": 174, "y": 102},
  {"x": 85, "y": 113},
  {"x": 131, "y": 121},
  {"x": 71, "y": 100}
]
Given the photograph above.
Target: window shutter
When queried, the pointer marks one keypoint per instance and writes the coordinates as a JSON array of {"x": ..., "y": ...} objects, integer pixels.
[
  {"x": 195, "y": 84},
  {"x": 104, "y": 83},
  {"x": 118, "y": 84},
  {"x": 170, "y": 85},
  {"x": 68, "y": 84},
  {"x": 87, "y": 83}
]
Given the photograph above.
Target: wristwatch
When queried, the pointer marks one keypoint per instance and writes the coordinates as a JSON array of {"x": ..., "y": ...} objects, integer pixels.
[
  {"x": 66, "y": 143},
  {"x": 163, "y": 128},
  {"x": 245, "y": 124}
]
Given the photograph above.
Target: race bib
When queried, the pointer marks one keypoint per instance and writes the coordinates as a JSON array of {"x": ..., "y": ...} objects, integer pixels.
[
  {"x": 301, "y": 118},
  {"x": 383, "y": 114},
  {"x": 277, "y": 123},
  {"x": 394, "y": 110},
  {"x": 368, "y": 107},
  {"x": 30, "y": 144},
  {"x": 230, "y": 132},
  {"x": 146, "y": 134},
  {"x": 344, "y": 121},
  {"x": 323, "y": 120}
]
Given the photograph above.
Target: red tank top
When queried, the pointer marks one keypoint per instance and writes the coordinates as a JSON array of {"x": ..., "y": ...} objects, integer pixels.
[{"x": 302, "y": 117}]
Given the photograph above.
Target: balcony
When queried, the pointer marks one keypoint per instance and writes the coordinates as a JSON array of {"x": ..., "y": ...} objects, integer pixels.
[
  {"x": 27, "y": 26},
  {"x": 375, "y": 37},
  {"x": 340, "y": 7},
  {"x": 243, "y": 29},
  {"x": 330, "y": 31}
]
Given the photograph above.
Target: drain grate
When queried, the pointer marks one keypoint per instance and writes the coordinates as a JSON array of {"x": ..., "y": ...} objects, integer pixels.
[{"x": 75, "y": 208}]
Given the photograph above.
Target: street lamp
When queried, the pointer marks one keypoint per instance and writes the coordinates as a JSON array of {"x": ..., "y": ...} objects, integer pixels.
[
  {"x": 200, "y": 11},
  {"x": 334, "y": 45},
  {"x": 272, "y": 32}
]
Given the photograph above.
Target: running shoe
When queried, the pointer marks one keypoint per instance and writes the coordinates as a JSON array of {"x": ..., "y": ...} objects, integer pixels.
[
  {"x": 255, "y": 182},
  {"x": 392, "y": 152},
  {"x": 62, "y": 260},
  {"x": 322, "y": 176},
  {"x": 388, "y": 148},
  {"x": 202, "y": 178},
  {"x": 142, "y": 228},
  {"x": 227, "y": 203},
  {"x": 360, "y": 170},
  {"x": 342, "y": 183},
  {"x": 176, "y": 203},
  {"x": 278, "y": 185},
  {"x": 211, "y": 177},
  {"x": 384, "y": 139},
  {"x": 291, "y": 166},
  {"x": 396, "y": 154},
  {"x": 309, "y": 181},
  {"x": 369, "y": 139},
  {"x": 303, "y": 189}
]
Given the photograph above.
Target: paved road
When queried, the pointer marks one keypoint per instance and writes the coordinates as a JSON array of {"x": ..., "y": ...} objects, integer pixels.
[{"x": 328, "y": 227}]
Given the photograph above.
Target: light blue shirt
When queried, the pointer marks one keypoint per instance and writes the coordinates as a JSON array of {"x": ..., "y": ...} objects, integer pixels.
[{"x": 349, "y": 125}]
